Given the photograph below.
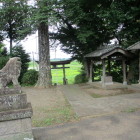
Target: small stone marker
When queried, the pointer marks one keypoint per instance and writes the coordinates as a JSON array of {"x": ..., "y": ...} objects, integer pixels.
[{"x": 15, "y": 112}]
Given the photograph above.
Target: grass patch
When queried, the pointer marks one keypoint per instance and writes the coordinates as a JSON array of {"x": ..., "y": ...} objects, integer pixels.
[
  {"x": 56, "y": 116},
  {"x": 94, "y": 95},
  {"x": 130, "y": 110}
]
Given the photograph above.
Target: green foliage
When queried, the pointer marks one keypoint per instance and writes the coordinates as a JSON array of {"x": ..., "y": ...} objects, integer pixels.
[
  {"x": 18, "y": 51},
  {"x": 81, "y": 78},
  {"x": 30, "y": 77},
  {"x": 44, "y": 12},
  {"x": 14, "y": 20},
  {"x": 3, "y": 61},
  {"x": 116, "y": 71},
  {"x": 3, "y": 56},
  {"x": 85, "y": 25},
  {"x": 122, "y": 21}
]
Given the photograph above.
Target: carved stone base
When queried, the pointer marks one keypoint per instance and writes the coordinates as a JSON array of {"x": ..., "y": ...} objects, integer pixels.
[{"x": 15, "y": 90}]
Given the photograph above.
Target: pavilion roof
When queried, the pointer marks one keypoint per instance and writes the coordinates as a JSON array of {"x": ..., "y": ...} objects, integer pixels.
[
  {"x": 105, "y": 51},
  {"x": 101, "y": 50},
  {"x": 135, "y": 46}
]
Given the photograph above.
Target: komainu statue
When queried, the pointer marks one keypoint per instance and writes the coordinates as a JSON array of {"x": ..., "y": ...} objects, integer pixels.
[{"x": 10, "y": 73}]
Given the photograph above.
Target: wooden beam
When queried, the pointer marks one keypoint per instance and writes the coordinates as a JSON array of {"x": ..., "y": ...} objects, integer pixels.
[
  {"x": 104, "y": 71},
  {"x": 64, "y": 76},
  {"x": 59, "y": 67},
  {"x": 139, "y": 67},
  {"x": 91, "y": 71},
  {"x": 86, "y": 67},
  {"x": 109, "y": 70}
]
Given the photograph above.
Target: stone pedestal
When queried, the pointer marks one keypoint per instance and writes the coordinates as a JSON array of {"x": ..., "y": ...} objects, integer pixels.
[
  {"x": 15, "y": 116},
  {"x": 107, "y": 80}
]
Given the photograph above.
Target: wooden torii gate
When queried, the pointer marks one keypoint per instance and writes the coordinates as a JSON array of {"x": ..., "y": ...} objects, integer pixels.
[{"x": 63, "y": 63}]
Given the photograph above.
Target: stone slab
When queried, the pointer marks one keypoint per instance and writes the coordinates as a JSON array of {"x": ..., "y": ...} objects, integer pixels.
[
  {"x": 16, "y": 114},
  {"x": 16, "y": 129},
  {"x": 12, "y": 102},
  {"x": 120, "y": 126},
  {"x": 21, "y": 136}
]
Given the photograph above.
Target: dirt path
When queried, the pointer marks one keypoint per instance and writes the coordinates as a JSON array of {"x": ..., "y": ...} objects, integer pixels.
[
  {"x": 85, "y": 105},
  {"x": 49, "y": 106}
]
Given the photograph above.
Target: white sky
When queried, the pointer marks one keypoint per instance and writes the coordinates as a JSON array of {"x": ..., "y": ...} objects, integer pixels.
[{"x": 30, "y": 45}]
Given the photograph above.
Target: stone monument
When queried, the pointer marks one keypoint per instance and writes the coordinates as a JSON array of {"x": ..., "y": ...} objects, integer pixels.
[{"x": 15, "y": 112}]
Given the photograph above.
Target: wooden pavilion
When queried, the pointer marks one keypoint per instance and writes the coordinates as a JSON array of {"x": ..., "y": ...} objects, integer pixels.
[{"x": 103, "y": 54}]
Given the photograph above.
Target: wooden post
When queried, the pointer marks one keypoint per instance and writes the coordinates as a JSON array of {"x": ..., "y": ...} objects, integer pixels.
[
  {"x": 104, "y": 71},
  {"x": 90, "y": 72},
  {"x": 109, "y": 71},
  {"x": 124, "y": 73},
  {"x": 139, "y": 67},
  {"x": 64, "y": 75},
  {"x": 86, "y": 68}
]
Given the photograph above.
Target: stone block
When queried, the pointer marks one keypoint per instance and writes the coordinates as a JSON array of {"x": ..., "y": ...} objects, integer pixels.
[
  {"x": 16, "y": 114},
  {"x": 12, "y": 102},
  {"x": 16, "y": 129},
  {"x": 108, "y": 80}
]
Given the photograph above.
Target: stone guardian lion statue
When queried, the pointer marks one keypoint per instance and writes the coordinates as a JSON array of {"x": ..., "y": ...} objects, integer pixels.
[{"x": 10, "y": 73}]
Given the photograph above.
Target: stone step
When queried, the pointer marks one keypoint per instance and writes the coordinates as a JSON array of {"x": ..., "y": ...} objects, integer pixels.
[
  {"x": 13, "y": 102},
  {"x": 16, "y": 114}
]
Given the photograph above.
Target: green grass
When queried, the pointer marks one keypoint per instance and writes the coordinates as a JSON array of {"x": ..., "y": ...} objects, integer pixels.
[
  {"x": 57, "y": 74},
  {"x": 130, "y": 110},
  {"x": 56, "y": 116},
  {"x": 94, "y": 95}
]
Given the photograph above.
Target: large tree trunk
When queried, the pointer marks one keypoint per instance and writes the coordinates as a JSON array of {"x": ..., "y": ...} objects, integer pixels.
[{"x": 44, "y": 79}]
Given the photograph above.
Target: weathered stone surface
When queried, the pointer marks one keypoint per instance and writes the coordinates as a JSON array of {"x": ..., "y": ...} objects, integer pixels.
[
  {"x": 16, "y": 114},
  {"x": 108, "y": 80},
  {"x": 6, "y": 90},
  {"x": 16, "y": 129},
  {"x": 15, "y": 126},
  {"x": 19, "y": 136},
  {"x": 10, "y": 72},
  {"x": 13, "y": 101}
]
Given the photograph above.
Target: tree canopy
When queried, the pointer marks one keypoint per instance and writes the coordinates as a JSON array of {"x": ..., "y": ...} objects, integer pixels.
[
  {"x": 14, "y": 20},
  {"x": 85, "y": 25}
]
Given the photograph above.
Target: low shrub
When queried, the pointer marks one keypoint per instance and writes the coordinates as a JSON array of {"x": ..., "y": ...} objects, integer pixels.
[
  {"x": 80, "y": 78},
  {"x": 3, "y": 61},
  {"x": 30, "y": 77},
  {"x": 18, "y": 51}
]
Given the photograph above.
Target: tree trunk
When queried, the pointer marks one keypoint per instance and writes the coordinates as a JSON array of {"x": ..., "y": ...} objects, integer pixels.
[
  {"x": 44, "y": 79},
  {"x": 11, "y": 46}
]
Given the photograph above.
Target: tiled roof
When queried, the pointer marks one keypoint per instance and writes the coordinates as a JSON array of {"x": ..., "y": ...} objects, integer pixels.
[
  {"x": 135, "y": 46},
  {"x": 102, "y": 50}
]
